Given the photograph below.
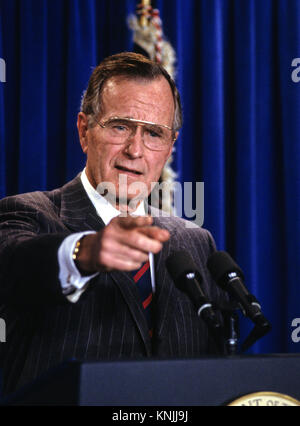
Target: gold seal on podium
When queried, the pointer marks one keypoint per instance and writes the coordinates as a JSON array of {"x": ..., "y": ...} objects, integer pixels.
[{"x": 265, "y": 399}]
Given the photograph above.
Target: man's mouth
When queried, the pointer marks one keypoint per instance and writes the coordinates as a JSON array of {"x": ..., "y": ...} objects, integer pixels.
[{"x": 127, "y": 170}]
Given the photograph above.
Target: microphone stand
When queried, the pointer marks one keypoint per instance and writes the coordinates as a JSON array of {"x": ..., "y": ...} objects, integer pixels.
[
  {"x": 261, "y": 328},
  {"x": 233, "y": 332},
  {"x": 229, "y": 312},
  {"x": 231, "y": 325}
]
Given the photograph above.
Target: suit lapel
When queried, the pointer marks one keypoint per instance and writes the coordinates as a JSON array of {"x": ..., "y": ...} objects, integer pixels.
[
  {"x": 165, "y": 290},
  {"x": 131, "y": 296},
  {"x": 77, "y": 210},
  {"x": 79, "y": 214}
]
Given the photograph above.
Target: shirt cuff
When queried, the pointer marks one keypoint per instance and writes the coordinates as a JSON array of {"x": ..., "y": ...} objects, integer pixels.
[{"x": 72, "y": 283}]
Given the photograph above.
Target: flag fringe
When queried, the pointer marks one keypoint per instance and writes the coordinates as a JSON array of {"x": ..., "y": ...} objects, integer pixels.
[{"x": 147, "y": 38}]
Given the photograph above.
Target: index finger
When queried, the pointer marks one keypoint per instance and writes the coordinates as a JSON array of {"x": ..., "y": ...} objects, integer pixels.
[
  {"x": 156, "y": 233},
  {"x": 130, "y": 222}
]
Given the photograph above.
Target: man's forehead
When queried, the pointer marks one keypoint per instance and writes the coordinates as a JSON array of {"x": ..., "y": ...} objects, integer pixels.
[
  {"x": 152, "y": 96},
  {"x": 114, "y": 83}
]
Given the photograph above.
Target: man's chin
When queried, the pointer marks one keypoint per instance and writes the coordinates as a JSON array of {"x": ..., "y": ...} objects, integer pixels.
[
  {"x": 130, "y": 199},
  {"x": 123, "y": 199},
  {"x": 125, "y": 191}
]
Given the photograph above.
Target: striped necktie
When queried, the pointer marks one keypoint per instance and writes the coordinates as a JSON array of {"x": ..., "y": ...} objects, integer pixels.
[{"x": 142, "y": 279}]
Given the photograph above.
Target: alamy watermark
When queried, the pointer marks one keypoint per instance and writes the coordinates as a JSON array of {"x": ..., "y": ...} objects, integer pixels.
[
  {"x": 2, "y": 331},
  {"x": 296, "y": 72},
  {"x": 185, "y": 204},
  {"x": 296, "y": 332},
  {"x": 2, "y": 71}
]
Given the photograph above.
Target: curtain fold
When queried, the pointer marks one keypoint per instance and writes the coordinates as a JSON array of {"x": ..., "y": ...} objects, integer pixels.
[
  {"x": 2, "y": 120},
  {"x": 241, "y": 120},
  {"x": 33, "y": 94}
]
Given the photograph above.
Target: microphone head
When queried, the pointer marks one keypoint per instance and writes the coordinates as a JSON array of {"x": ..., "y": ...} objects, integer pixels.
[
  {"x": 220, "y": 264},
  {"x": 179, "y": 264}
]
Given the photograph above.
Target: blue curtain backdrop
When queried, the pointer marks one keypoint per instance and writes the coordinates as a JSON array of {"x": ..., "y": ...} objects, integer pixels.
[{"x": 241, "y": 120}]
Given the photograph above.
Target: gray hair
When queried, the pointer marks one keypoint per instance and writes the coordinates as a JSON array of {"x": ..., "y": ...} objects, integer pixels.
[{"x": 132, "y": 66}]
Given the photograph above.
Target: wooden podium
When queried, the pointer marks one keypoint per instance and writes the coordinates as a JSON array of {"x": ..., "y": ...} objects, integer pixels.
[{"x": 182, "y": 382}]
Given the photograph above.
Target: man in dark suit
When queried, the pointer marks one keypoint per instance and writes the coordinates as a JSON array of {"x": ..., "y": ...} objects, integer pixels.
[{"x": 67, "y": 256}]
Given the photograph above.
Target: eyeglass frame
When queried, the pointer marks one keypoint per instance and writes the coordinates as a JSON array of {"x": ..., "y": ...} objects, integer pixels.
[{"x": 141, "y": 122}]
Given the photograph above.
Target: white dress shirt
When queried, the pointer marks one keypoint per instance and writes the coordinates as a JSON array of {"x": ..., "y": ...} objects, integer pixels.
[{"x": 73, "y": 284}]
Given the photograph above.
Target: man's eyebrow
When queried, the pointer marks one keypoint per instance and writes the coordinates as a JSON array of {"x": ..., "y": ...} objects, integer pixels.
[
  {"x": 155, "y": 127},
  {"x": 139, "y": 121}
]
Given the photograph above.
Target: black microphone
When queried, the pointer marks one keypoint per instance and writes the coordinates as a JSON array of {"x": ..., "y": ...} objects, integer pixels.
[
  {"x": 228, "y": 275},
  {"x": 188, "y": 279}
]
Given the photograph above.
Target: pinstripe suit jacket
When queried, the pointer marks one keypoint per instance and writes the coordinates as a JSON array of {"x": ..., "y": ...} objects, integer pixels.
[{"x": 44, "y": 329}]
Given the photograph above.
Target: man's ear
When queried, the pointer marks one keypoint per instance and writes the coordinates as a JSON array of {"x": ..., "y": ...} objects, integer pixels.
[{"x": 82, "y": 126}]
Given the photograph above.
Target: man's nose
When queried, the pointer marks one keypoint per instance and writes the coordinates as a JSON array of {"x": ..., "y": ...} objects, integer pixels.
[{"x": 134, "y": 146}]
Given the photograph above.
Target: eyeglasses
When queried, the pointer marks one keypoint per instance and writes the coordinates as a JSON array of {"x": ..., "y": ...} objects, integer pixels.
[{"x": 156, "y": 137}]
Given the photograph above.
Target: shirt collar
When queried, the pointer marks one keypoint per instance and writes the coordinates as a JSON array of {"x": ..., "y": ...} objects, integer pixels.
[{"x": 104, "y": 209}]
